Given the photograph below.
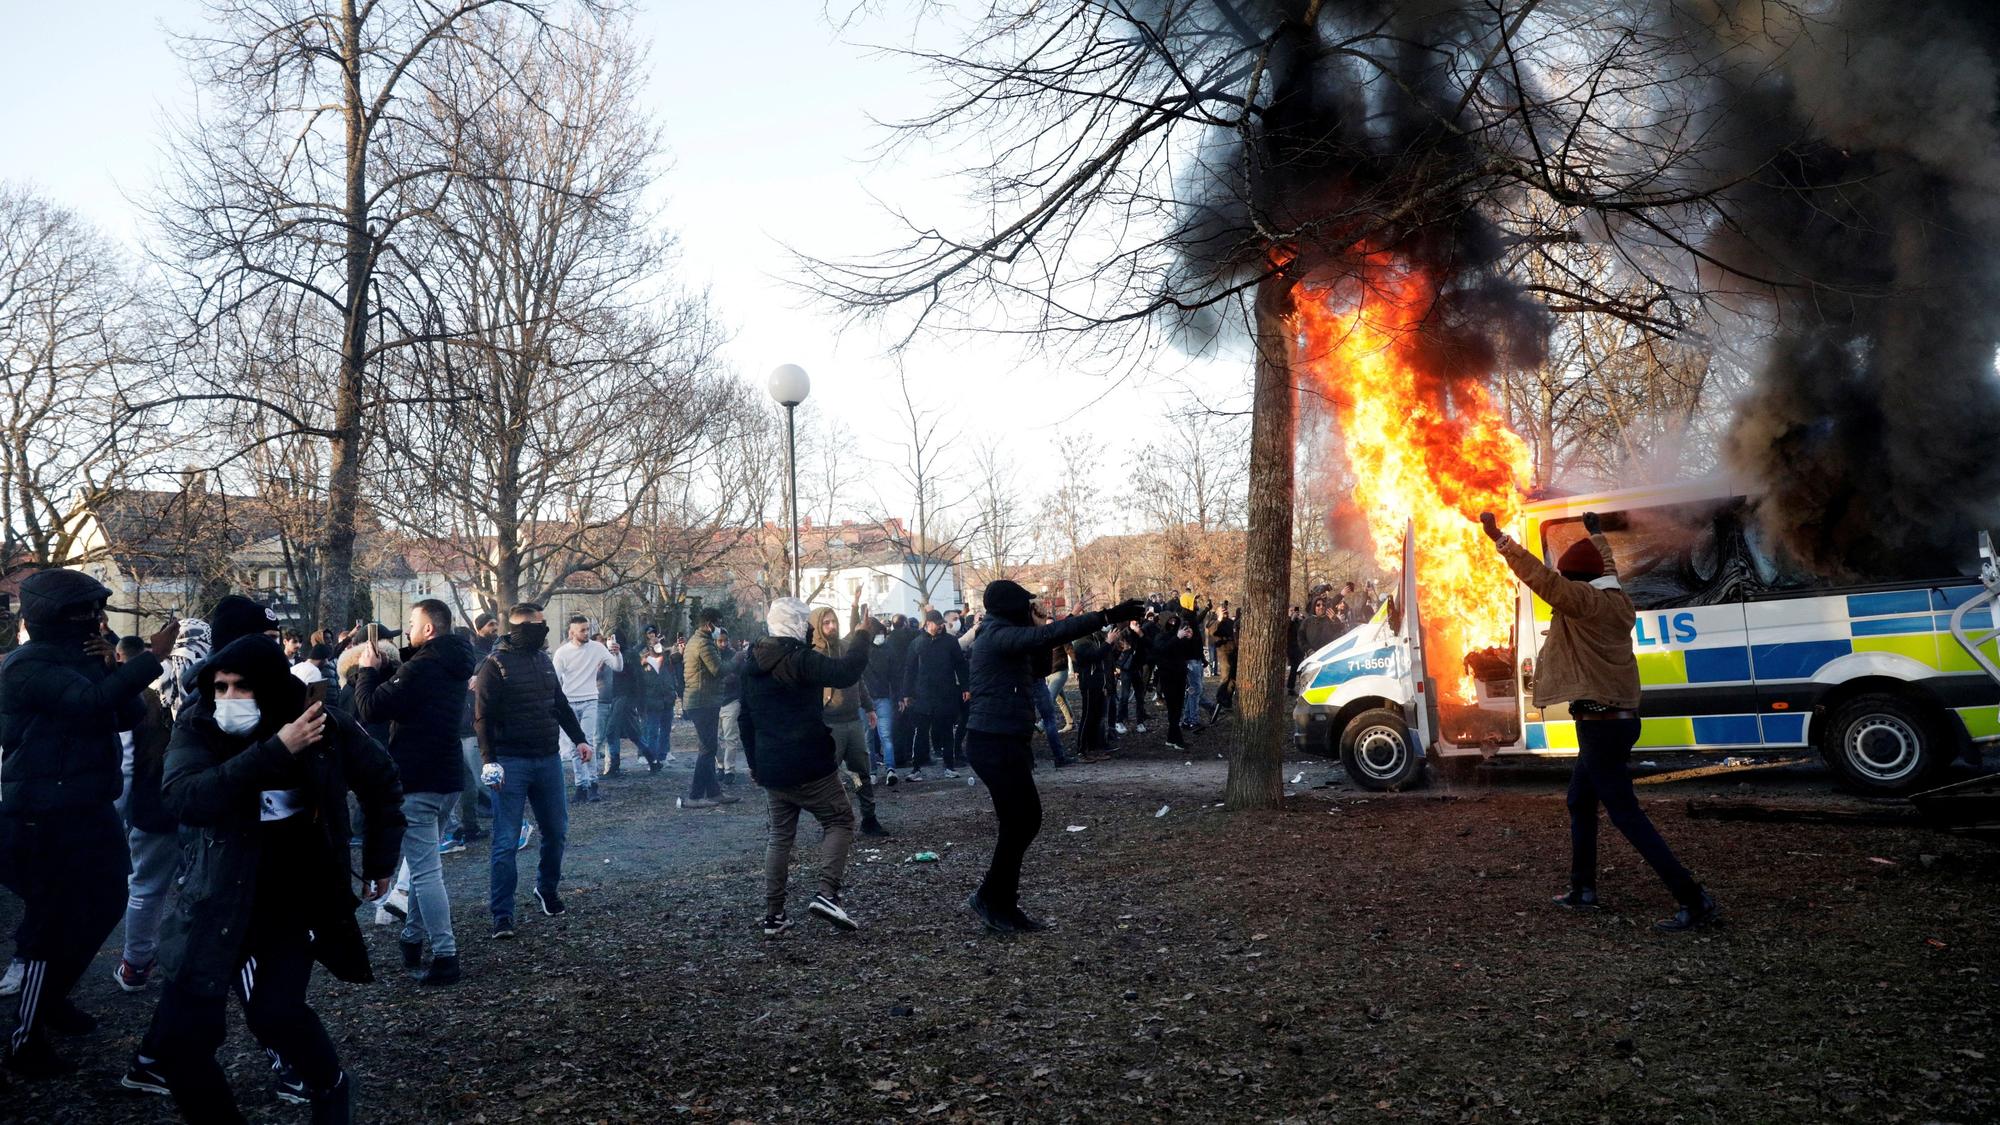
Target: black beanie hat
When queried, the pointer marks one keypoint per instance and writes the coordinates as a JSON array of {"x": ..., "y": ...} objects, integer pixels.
[
  {"x": 1007, "y": 600},
  {"x": 49, "y": 596},
  {"x": 237, "y": 616}
]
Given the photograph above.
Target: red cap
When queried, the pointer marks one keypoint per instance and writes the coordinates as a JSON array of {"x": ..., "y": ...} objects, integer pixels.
[{"x": 1582, "y": 559}]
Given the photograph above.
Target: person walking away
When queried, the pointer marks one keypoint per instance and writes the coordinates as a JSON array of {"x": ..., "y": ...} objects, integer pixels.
[
  {"x": 423, "y": 701},
  {"x": 791, "y": 754},
  {"x": 519, "y": 712},
  {"x": 702, "y": 665},
  {"x": 1001, "y": 728},
  {"x": 1223, "y": 640},
  {"x": 884, "y": 688},
  {"x": 934, "y": 685},
  {"x": 1588, "y": 664},
  {"x": 62, "y": 843},
  {"x": 577, "y": 661},
  {"x": 264, "y": 778},
  {"x": 730, "y": 729},
  {"x": 845, "y": 711},
  {"x": 152, "y": 835}
]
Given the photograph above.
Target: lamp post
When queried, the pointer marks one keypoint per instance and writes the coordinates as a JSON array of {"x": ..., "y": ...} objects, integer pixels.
[{"x": 790, "y": 386}]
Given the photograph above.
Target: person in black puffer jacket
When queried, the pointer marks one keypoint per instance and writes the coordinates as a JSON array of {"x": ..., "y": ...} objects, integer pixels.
[
  {"x": 262, "y": 780},
  {"x": 792, "y": 755},
  {"x": 62, "y": 845},
  {"x": 424, "y": 702},
  {"x": 1001, "y": 725},
  {"x": 934, "y": 685}
]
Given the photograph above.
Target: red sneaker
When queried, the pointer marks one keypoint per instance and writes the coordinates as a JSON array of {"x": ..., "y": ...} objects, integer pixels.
[{"x": 129, "y": 978}]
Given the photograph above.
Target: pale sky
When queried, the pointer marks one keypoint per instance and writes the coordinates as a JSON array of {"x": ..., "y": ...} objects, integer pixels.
[{"x": 768, "y": 124}]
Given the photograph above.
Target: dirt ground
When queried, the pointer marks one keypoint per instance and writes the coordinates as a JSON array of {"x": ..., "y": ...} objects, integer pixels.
[{"x": 1352, "y": 957}]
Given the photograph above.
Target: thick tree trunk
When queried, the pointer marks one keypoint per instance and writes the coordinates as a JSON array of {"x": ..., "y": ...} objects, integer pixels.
[
  {"x": 343, "y": 492},
  {"x": 1256, "y": 769}
]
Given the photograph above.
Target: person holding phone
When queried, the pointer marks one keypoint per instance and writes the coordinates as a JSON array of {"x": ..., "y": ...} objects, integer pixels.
[{"x": 263, "y": 779}]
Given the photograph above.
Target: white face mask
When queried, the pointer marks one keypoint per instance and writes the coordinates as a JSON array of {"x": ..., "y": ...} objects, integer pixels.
[{"x": 237, "y": 716}]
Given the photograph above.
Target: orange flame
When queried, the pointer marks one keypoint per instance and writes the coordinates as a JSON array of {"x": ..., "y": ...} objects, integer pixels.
[{"x": 1421, "y": 448}]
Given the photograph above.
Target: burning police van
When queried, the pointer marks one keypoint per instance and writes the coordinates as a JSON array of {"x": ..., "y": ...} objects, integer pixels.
[{"x": 1740, "y": 651}]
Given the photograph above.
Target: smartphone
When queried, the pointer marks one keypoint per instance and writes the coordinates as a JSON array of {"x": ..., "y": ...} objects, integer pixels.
[{"x": 373, "y": 630}]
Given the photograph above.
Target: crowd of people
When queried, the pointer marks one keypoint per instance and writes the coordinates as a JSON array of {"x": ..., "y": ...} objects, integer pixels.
[{"x": 221, "y": 784}]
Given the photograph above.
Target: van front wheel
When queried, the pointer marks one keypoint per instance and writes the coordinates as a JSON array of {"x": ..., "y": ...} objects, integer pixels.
[
  {"x": 1883, "y": 744},
  {"x": 1378, "y": 751}
]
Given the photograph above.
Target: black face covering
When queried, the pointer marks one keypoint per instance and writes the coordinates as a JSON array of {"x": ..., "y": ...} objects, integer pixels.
[{"x": 529, "y": 637}]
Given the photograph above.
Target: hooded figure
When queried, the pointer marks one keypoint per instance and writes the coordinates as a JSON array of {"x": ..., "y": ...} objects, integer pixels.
[
  {"x": 62, "y": 844},
  {"x": 791, "y": 753},
  {"x": 264, "y": 779}
]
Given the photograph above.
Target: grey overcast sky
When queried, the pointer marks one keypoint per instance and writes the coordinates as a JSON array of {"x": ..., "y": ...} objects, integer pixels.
[{"x": 770, "y": 136}]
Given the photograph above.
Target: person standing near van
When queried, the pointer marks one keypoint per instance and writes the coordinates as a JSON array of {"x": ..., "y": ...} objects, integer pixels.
[{"x": 1587, "y": 662}]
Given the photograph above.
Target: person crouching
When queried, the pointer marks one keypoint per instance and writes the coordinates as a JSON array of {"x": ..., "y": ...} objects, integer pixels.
[{"x": 263, "y": 780}]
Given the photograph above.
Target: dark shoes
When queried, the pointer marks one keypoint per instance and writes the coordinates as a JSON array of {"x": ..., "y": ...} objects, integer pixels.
[
  {"x": 37, "y": 1058},
  {"x": 1691, "y": 917},
  {"x": 503, "y": 928},
  {"x": 594, "y": 796},
  {"x": 775, "y": 924},
  {"x": 443, "y": 971},
  {"x": 64, "y": 1018},
  {"x": 872, "y": 827},
  {"x": 1582, "y": 898},
  {"x": 144, "y": 1077},
  {"x": 335, "y": 1106},
  {"x": 552, "y": 904},
  {"x": 828, "y": 907},
  {"x": 1023, "y": 921},
  {"x": 994, "y": 920},
  {"x": 413, "y": 954}
]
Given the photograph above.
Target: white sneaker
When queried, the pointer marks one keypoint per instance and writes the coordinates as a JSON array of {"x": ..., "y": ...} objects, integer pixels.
[
  {"x": 915, "y": 775},
  {"x": 1119, "y": 727},
  {"x": 952, "y": 774},
  {"x": 829, "y": 909},
  {"x": 395, "y": 908},
  {"x": 1142, "y": 728},
  {"x": 10, "y": 985}
]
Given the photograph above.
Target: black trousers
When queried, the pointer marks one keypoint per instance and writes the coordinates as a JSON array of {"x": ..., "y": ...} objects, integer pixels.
[
  {"x": 1173, "y": 696},
  {"x": 707, "y": 732},
  {"x": 1091, "y": 739},
  {"x": 69, "y": 869},
  {"x": 1603, "y": 776},
  {"x": 934, "y": 737},
  {"x": 1005, "y": 764}
]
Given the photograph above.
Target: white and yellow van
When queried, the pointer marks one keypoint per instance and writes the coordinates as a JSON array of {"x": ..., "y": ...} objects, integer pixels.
[{"x": 1740, "y": 651}]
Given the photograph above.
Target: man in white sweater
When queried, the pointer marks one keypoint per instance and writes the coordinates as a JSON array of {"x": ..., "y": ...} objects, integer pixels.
[{"x": 577, "y": 661}]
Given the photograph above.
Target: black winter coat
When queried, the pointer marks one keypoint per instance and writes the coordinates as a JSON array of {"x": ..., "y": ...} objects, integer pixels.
[
  {"x": 1003, "y": 675},
  {"x": 145, "y": 809},
  {"x": 213, "y": 782},
  {"x": 785, "y": 740},
  {"x": 423, "y": 702},
  {"x": 60, "y": 713},
  {"x": 518, "y": 705},
  {"x": 937, "y": 675}
]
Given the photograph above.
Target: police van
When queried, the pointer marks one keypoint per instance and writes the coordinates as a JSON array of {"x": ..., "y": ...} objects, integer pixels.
[{"x": 1740, "y": 652}]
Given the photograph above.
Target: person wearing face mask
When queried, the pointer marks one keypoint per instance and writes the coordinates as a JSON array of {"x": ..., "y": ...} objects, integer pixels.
[
  {"x": 264, "y": 778},
  {"x": 518, "y": 710},
  {"x": 423, "y": 701},
  {"x": 62, "y": 842},
  {"x": 656, "y": 702},
  {"x": 1001, "y": 727}
]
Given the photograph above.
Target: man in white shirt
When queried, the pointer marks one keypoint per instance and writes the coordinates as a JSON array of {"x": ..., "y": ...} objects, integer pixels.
[{"x": 577, "y": 661}]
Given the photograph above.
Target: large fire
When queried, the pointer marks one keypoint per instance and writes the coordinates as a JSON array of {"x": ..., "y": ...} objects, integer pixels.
[{"x": 1420, "y": 448}]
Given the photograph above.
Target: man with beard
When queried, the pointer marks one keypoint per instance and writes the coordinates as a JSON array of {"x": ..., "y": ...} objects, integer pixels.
[{"x": 62, "y": 843}]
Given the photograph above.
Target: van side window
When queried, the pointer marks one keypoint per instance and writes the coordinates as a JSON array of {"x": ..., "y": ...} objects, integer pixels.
[{"x": 1678, "y": 555}]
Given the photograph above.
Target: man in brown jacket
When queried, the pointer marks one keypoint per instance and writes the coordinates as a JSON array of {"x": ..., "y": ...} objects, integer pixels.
[
  {"x": 702, "y": 666},
  {"x": 1587, "y": 663}
]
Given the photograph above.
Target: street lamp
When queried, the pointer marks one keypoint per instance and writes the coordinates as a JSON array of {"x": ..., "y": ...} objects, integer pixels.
[{"x": 790, "y": 386}]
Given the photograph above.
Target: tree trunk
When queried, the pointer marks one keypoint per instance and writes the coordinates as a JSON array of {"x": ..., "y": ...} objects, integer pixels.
[
  {"x": 343, "y": 492},
  {"x": 1256, "y": 768}
]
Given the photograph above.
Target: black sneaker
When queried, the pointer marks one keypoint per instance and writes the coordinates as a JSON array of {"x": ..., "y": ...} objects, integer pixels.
[
  {"x": 413, "y": 954},
  {"x": 288, "y": 1086},
  {"x": 582, "y": 795},
  {"x": 144, "y": 1077},
  {"x": 1691, "y": 917},
  {"x": 443, "y": 971},
  {"x": 829, "y": 909},
  {"x": 503, "y": 929},
  {"x": 775, "y": 924},
  {"x": 65, "y": 1018},
  {"x": 1582, "y": 898},
  {"x": 872, "y": 827},
  {"x": 1023, "y": 921},
  {"x": 992, "y": 919},
  {"x": 37, "y": 1058},
  {"x": 595, "y": 797},
  {"x": 552, "y": 904}
]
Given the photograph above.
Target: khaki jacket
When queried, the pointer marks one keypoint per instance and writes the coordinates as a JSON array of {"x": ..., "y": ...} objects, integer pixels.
[
  {"x": 1588, "y": 653},
  {"x": 702, "y": 668}
]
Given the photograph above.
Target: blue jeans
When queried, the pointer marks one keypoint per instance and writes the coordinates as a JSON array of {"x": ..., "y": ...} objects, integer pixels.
[
  {"x": 1191, "y": 707},
  {"x": 885, "y": 725},
  {"x": 430, "y": 907},
  {"x": 653, "y": 739},
  {"x": 537, "y": 782},
  {"x": 1045, "y": 705}
]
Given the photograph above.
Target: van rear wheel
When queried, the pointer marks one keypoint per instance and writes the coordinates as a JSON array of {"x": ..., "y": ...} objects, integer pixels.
[
  {"x": 1378, "y": 751},
  {"x": 1884, "y": 744}
]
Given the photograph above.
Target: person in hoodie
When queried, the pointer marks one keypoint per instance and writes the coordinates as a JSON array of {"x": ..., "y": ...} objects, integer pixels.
[
  {"x": 845, "y": 710},
  {"x": 934, "y": 687},
  {"x": 423, "y": 701},
  {"x": 263, "y": 779},
  {"x": 791, "y": 753},
  {"x": 62, "y": 844},
  {"x": 883, "y": 686},
  {"x": 1002, "y": 725}
]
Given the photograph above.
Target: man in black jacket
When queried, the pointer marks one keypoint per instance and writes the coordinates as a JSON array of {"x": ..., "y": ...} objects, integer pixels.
[
  {"x": 62, "y": 845},
  {"x": 518, "y": 706},
  {"x": 792, "y": 755},
  {"x": 1001, "y": 726},
  {"x": 264, "y": 778},
  {"x": 934, "y": 686},
  {"x": 423, "y": 702}
]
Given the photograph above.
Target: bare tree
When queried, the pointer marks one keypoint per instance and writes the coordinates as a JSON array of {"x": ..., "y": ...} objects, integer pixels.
[
  {"x": 944, "y": 519},
  {"x": 67, "y": 365},
  {"x": 1004, "y": 532},
  {"x": 1069, "y": 515}
]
